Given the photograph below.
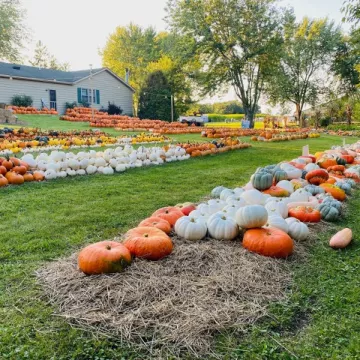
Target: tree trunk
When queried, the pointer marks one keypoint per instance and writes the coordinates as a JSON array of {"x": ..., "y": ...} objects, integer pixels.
[
  {"x": 299, "y": 115},
  {"x": 249, "y": 115}
]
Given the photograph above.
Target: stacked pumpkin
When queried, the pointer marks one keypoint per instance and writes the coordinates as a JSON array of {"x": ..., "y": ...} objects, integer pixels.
[{"x": 15, "y": 172}]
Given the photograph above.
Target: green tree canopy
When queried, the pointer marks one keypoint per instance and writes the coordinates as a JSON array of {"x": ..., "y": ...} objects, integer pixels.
[
  {"x": 234, "y": 40},
  {"x": 155, "y": 98},
  {"x": 12, "y": 30},
  {"x": 305, "y": 59},
  {"x": 43, "y": 59}
]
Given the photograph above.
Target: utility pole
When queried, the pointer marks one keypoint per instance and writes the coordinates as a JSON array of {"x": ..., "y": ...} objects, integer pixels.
[
  {"x": 91, "y": 93},
  {"x": 172, "y": 108}
]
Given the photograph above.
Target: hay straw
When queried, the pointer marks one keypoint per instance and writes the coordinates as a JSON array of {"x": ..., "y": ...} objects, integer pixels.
[{"x": 174, "y": 305}]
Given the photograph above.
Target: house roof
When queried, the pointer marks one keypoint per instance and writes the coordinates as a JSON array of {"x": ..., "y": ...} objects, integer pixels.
[{"x": 50, "y": 75}]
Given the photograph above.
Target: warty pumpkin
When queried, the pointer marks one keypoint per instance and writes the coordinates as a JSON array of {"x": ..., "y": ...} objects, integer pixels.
[
  {"x": 305, "y": 214},
  {"x": 317, "y": 177},
  {"x": 335, "y": 191}
]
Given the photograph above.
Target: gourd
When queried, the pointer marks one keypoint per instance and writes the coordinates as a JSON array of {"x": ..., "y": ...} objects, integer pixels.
[
  {"x": 317, "y": 177},
  {"x": 335, "y": 191},
  {"x": 231, "y": 210},
  {"x": 190, "y": 228},
  {"x": 300, "y": 195},
  {"x": 148, "y": 243},
  {"x": 332, "y": 202},
  {"x": 311, "y": 167},
  {"x": 268, "y": 242},
  {"x": 328, "y": 212},
  {"x": 251, "y": 216},
  {"x": 314, "y": 190},
  {"x": 261, "y": 180},
  {"x": 341, "y": 239},
  {"x": 286, "y": 185},
  {"x": 215, "y": 193},
  {"x": 297, "y": 229},
  {"x": 344, "y": 186},
  {"x": 226, "y": 193},
  {"x": 222, "y": 227},
  {"x": 280, "y": 175},
  {"x": 291, "y": 171},
  {"x": 277, "y": 207},
  {"x": 278, "y": 222},
  {"x": 104, "y": 257},
  {"x": 216, "y": 204},
  {"x": 253, "y": 197}
]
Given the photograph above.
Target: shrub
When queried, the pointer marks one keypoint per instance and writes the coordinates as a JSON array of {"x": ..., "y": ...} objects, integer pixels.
[
  {"x": 69, "y": 105},
  {"x": 114, "y": 109},
  {"x": 85, "y": 104},
  {"x": 222, "y": 118},
  {"x": 325, "y": 121},
  {"x": 22, "y": 100},
  {"x": 343, "y": 127}
]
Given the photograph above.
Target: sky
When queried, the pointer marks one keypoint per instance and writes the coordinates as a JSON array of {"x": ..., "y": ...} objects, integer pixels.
[{"x": 76, "y": 30}]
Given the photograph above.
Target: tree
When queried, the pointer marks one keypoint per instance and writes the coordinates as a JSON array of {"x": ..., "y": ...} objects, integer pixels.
[
  {"x": 305, "y": 58},
  {"x": 155, "y": 98},
  {"x": 43, "y": 59},
  {"x": 234, "y": 107},
  {"x": 12, "y": 30},
  {"x": 235, "y": 41}
]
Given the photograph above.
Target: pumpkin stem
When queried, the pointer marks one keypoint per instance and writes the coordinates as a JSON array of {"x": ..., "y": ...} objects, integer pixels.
[
  {"x": 108, "y": 247},
  {"x": 223, "y": 217},
  {"x": 146, "y": 235}
]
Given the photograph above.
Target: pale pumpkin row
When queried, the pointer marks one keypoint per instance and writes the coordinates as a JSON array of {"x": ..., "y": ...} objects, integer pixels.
[{"x": 271, "y": 211}]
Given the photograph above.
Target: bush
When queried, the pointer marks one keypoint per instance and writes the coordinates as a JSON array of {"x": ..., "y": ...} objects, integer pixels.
[
  {"x": 325, "y": 122},
  {"x": 114, "y": 109},
  {"x": 343, "y": 127},
  {"x": 85, "y": 104},
  {"x": 69, "y": 105},
  {"x": 22, "y": 100},
  {"x": 223, "y": 118}
]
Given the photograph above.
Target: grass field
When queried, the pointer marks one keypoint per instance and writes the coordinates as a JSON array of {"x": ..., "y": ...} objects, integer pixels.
[{"x": 41, "y": 222}]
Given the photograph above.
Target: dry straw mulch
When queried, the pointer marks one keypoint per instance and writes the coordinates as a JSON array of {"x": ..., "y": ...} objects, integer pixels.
[{"x": 174, "y": 305}]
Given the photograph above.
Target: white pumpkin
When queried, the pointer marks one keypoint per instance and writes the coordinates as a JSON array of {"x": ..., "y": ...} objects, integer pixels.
[
  {"x": 230, "y": 210},
  {"x": 291, "y": 171},
  {"x": 286, "y": 185},
  {"x": 236, "y": 200},
  {"x": 215, "y": 193},
  {"x": 238, "y": 191},
  {"x": 277, "y": 207},
  {"x": 222, "y": 227},
  {"x": 251, "y": 216},
  {"x": 276, "y": 221},
  {"x": 300, "y": 195},
  {"x": 91, "y": 169},
  {"x": 226, "y": 193},
  {"x": 297, "y": 229},
  {"x": 253, "y": 197},
  {"x": 216, "y": 203},
  {"x": 191, "y": 228},
  {"x": 108, "y": 170},
  {"x": 100, "y": 162},
  {"x": 311, "y": 167},
  {"x": 199, "y": 214}
]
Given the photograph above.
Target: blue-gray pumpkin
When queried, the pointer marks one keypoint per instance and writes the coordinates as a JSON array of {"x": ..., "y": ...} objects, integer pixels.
[
  {"x": 262, "y": 180},
  {"x": 344, "y": 186},
  {"x": 280, "y": 175},
  {"x": 328, "y": 212},
  {"x": 314, "y": 190}
]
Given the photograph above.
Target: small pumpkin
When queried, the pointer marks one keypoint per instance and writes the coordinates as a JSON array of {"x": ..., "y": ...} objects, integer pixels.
[
  {"x": 341, "y": 239},
  {"x": 276, "y": 191},
  {"x": 39, "y": 176},
  {"x": 104, "y": 257},
  {"x": 215, "y": 193},
  {"x": 268, "y": 242},
  {"x": 251, "y": 216},
  {"x": 191, "y": 228},
  {"x": 16, "y": 179},
  {"x": 297, "y": 229},
  {"x": 3, "y": 181},
  {"x": 317, "y": 177},
  {"x": 278, "y": 222},
  {"x": 158, "y": 223},
  {"x": 305, "y": 214},
  {"x": 286, "y": 185},
  {"x": 3, "y": 170},
  {"x": 148, "y": 243},
  {"x": 277, "y": 207},
  {"x": 314, "y": 190},
  {"x": 262, "y": 180},
  {"x": 328, "y": 212},
  {"x": 326, "y": 162},
  {"x": 171, "y": 214},
  {"x": 253, "y": 197},
  {"x": 280, "y": 175},
  {"x": 344, "y": 186},
  {"x": 28, "y": 177},
  {"x": 222, "y": 227}
]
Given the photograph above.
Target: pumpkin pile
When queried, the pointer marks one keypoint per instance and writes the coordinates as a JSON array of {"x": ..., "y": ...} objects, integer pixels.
[{"x": 29, "y": 110}]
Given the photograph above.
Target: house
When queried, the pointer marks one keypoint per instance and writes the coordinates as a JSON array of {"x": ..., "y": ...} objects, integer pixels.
[{"x": 53, "y": 88}]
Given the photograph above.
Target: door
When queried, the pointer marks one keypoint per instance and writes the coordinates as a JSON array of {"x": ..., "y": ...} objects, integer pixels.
[{"x": 52, "y": 94}]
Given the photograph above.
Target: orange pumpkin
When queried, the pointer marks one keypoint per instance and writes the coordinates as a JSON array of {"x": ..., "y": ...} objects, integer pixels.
[
  {"x": 325, "y": 163},
  {"x": 276, "y": 192},
  {"x": 38, "y": 176},
  {"x": 20, "y": 170},
  {"x": 16, "y": 179},
  {"x": 157, "y": 223},
  {"x": 268, "y": 242},
  {"x": 170, "y": 214},
  {"x": 305, "y": 214},
  {"x": 331, "y": 180},
  {"x": 3, "y": 181},
  {"x": 104, "y": 257},
  {"x": 8, "y": 164},
  {"x": 317, "y": 177},
  {"x": 335, "y": 191},
  {"x": 3, "y": 170},
  {"x": 148, "y": 242},
  {"x": 28, "y": 177},
  {"x": 15, "y": 161}
]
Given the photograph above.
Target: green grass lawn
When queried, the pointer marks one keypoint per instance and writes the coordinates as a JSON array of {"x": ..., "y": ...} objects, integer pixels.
[{"x": 41, "y": 222}]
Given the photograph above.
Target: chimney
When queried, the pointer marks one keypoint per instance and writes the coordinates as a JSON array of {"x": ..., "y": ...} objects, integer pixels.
[{"x": 127, "y": 75}]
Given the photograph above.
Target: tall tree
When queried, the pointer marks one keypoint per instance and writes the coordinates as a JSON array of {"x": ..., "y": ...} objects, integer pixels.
[
  {"x": 155, "y": 98},
  {"x": 305, "y": 59},
  {"x": 43, "y": 59},
  {"x": 12, "y": 30},
  {"x": 235, "y": 41}
]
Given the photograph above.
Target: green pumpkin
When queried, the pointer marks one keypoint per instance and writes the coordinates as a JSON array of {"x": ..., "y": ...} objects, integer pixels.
[
  {"x": 328, "y": 212},
  {"x": 280, "y": 175},
  {"x": 332, "y": 202},
  {"x": 262, "y": 180},
  {"x": 341, "y": 161},
  {"x": 314, "y": 190},
  {"x": 344, "y": 186}
]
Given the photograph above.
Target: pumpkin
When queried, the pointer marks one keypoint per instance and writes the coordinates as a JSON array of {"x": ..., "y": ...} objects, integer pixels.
[
  {"x": 286, "y": 185},
  {"x": 253, "y": 197},
  {"x": 280, "y": 175},
  {"x": 268, "y": 242},
  {"x": 28, "y": 177},
  {"x": 215, "y": 193},
  {"x": 348, "y": 158},
  {"x": 317, "y": 177},
  {"x": 231, "y": 210},
  {"x": 300, "y": 195},
  {"x": 222, "y": 227},
  {"x": 297, "y": 229},
  {"x": 335, "y": 191},
  {"x": 191, "y": 228},
  {"x": 344, "y": 186},
  {"x": 340, "y": 161},
  {"x": 310, "y": 157},
  {"x": 291, "y": 171},
  {"x": 158, "y": 223},
  {"x": 325, "y": 163},
  {"x": 341, "y": 239},
  {"x": 336, "y": 169},
  {"x": 236, "y": 200},
  {"x": 276, "y": 192},
  {"x": 3, "y": 170},
  {"x": 261, "y": 180},
  {"x": 170, "y": 214},
  {"x": 16, "y": 179},
  {"x": 251, "y": 216},
  {"x": 20, "y": 170},
  {"x": 314, "y": 190},
  {"x": 305, "y": 214},
  {"x": 8, "y": 164},
  {"x": 38, "y": 176},
  {"x": 328, "y": 212},
  {"x": 277, "y": 207},
  {"x": 3, "y": 181},
  {"x": 104, "y": 257},
  {"x": 278, "y": 222},
  {"x": 148, "y": 243},
  {"x": 15, "y": 161}
]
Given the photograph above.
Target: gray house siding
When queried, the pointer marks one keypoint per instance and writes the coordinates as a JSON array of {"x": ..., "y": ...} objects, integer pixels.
[{"x": 111, "y": 89}]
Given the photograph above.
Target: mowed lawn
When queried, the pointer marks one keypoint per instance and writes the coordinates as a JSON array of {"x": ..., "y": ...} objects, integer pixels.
[{"x": 44, "y": 221}]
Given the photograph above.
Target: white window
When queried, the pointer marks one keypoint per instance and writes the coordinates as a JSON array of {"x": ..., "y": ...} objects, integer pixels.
[{"x": 86, "y": 96}]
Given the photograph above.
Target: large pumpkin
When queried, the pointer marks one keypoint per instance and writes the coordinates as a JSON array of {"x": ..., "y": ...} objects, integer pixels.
[
  {"x": 305, "y": 214},
  {"x": 170, "y": 214},
  {"x": 251, "y": 216},
  {"x": 191, "y": 228},
  {"x": 268, "y": 242},
  {"x": 148, "y": 242},
  {"x": 317, "y": 177},
  {"x": 104, "y": 257},
  {"x": 157, "y": 223},
  {"x": 335, "y": 191}
]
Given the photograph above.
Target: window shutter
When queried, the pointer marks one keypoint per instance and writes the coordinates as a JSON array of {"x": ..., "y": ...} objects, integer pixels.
[
  {"x": 79, "y": 95},
  {"x": 98, "y": 96}
]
